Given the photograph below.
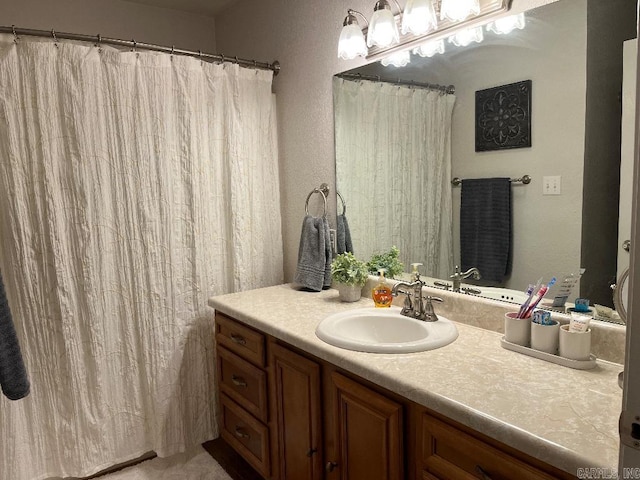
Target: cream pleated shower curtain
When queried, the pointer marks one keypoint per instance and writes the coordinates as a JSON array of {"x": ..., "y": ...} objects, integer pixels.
[
  {"x": 133, "y": 186},
  {"x": 393, "y": 167}
]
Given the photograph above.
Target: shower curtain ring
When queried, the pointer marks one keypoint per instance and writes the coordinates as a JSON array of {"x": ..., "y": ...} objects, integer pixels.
[
  {"x": 135, "y": 44},
  {"x": 173, "y": 49},
  {"x": 15, "y": 35},
  {"x": 55, "y": 39}
]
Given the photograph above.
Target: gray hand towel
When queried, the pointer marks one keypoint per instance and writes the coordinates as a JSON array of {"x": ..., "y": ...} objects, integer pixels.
[
  {"x": 13, "y": 375},
  {"x": 485, "y": 227},
  {"x": 311, "y": 272},
  {"x": 344, "y": 234},
  {"x": 328, "y": 254}
]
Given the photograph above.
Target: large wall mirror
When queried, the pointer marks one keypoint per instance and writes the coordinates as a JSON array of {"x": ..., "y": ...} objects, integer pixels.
[{"x": 580, "y": 58}]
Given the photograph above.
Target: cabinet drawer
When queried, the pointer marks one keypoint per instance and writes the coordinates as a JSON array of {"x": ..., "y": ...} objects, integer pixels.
[
  {"x": 243, "y": 383},
  {"x": 248, "y": 436},
  {"x": 451, "y": 454},
  {"x": 240, "y": 339}
]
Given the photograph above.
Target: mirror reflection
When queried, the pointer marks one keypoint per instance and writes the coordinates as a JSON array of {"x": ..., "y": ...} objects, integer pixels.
[{"x": 399, "y": 146}]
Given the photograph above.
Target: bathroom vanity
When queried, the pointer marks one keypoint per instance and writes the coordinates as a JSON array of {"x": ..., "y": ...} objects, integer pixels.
[{"x": 297, "y": 408}]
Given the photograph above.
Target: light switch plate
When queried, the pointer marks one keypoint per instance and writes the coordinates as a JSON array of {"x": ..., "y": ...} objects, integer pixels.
[{"x": 552, "y": 185}]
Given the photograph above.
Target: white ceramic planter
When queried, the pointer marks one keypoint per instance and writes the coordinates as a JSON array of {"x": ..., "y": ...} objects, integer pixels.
[{"x": 349, "y": 293}]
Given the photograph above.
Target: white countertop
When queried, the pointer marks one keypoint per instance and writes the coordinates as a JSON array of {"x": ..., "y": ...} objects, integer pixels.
[{"x": 565, "y": 417}]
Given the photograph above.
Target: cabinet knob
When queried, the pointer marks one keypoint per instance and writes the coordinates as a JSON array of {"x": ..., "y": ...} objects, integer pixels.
[
  {"x": 238, "y": 381},
  {"x": 239, "y": 339},
  {"x": 483, "y": 475},
  {"x": 311, "y": 452},
  {"x": 330, "y": 466}
]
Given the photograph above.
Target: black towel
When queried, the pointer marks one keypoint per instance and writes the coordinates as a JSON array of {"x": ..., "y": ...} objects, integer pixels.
[
  {"x": 485, "y": 227},
  {"x": 13, "y": 376}
]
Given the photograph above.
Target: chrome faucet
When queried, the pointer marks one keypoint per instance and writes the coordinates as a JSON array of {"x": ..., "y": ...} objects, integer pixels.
[
  {"x": 458, "y": 276},
  {"x": 415, "y": 305}
]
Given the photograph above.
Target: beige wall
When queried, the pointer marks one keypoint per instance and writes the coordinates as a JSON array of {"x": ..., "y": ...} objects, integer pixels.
[
  {"x": 303, "y": 36},
  {"x": 115, "y": 18}
]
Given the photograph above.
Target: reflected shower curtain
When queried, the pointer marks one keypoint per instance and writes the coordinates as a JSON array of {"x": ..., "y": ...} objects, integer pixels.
[
  {"x": 133, "y": 186},
  {"x": 393, "y": 166}
]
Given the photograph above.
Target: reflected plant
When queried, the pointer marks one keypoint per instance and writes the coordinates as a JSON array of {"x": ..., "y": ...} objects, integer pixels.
[{"x": 388, "y": 261}]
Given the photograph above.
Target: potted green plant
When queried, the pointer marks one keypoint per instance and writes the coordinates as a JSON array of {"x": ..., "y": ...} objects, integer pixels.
[
  {"x": 389, "y": 261},
  {"x": 350, "y": 275}
]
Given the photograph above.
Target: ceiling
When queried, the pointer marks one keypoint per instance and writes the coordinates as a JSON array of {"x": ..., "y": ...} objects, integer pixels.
[{"x": 201, "y": 7}]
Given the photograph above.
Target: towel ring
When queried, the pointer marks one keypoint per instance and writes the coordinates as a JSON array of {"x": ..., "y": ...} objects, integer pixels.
[
  {"x": 344, "y": 205},
  {"x": 324, "y": 198}
]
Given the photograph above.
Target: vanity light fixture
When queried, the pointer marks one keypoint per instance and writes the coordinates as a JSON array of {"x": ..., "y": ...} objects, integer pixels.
[
  {"x": 421, "y": 21},
  {"x": 397, "y": 59},
  {"x": 458, "y": 10},
  {"x": 352, "y": 42},
  {"x": 505, "y": 25},
  {"x": 383, "y": 30},
  {"x": 419, "y": 17},
  {"x": 429, "y": 49},
  {"x": 465, "y": 37}
]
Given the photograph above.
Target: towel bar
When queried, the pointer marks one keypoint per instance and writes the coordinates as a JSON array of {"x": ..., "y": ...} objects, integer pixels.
[{"x": 525, "y": 180}]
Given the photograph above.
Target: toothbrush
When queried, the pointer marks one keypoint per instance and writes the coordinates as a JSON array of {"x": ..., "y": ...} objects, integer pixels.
[
  {"x": 529, "y": 294},
  {"x": 538, "y": 296},
  {"x": 523, "y": 309}
]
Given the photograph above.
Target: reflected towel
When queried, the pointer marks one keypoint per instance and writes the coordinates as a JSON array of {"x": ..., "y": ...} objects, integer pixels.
[
  {"x": 311, "y": 272},
  {"x": 13, "y": 375},
  {"x": 344, "y": 234},
  {"x": 485, "y": 227}
]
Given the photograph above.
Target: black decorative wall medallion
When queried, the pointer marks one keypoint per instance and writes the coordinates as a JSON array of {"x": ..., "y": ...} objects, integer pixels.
[{"x": 503, "y": 117}]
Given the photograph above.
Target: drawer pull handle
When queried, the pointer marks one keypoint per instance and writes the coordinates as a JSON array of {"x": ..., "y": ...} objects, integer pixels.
[
  {"x": 238, "y": 381},
  {"x": 239, "y": 339},
  {"x": 311, "y": 452},
  {"x": 330, "y": 466},
  {"x": 241, "y": 433},
  {"x": 483, "y": 475}
]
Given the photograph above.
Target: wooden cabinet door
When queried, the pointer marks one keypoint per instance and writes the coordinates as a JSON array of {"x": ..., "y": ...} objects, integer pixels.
[
  {"x": 368, "y": 431},
  {"x": 296, "y": 389}
]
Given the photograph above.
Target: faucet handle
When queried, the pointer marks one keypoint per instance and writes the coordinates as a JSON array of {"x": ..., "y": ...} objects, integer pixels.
[
  {"x": 429, "y": 313},
  {"x": 444, "y": 285}
]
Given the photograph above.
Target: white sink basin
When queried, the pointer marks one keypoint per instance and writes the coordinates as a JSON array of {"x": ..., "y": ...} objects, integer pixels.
[{"x": 384, "y": 330}]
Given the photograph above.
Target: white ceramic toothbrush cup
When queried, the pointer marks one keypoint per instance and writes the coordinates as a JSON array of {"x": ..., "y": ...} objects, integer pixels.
[
  {"x": 545, "y": 337},
  {"x": 517, "y": 330},
  {"x": 575, "y": 345}
]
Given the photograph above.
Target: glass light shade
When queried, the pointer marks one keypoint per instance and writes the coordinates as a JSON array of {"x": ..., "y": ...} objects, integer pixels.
[
  {"x": 505, "y": 25},
  {"x": 429, "y": 49},
  {"x": 418, "y": 17},
  {"x": 458, "y": 10},
  {"x": 351, "y": 43},
  {"x": 467, "y": 36},
  {"x": 397, "y": 59},
  {"x": 383, "y": 30}
]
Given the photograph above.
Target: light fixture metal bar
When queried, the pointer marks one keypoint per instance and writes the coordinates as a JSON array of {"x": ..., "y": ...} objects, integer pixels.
[{"x": 489, "y": 9}]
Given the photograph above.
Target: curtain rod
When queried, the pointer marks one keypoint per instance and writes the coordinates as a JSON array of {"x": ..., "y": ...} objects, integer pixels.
[
  {"x": 98, "y": 40},
  {"x": 450, "y": 89}
]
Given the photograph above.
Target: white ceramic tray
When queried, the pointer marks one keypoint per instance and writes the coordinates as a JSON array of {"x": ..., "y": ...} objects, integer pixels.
[{"x": 549, "y": 357}]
